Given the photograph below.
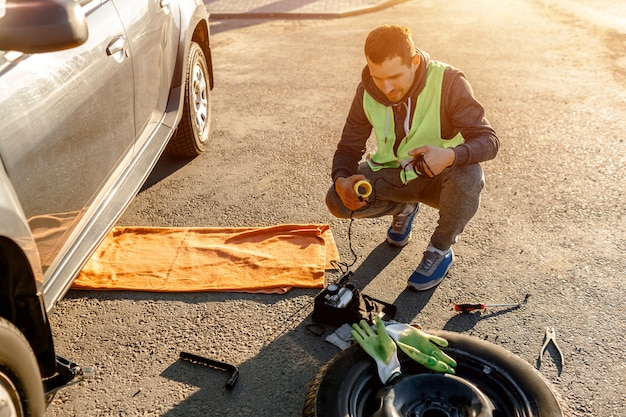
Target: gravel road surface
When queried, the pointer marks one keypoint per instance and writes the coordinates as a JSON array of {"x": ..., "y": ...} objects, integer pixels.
[{"x": 551, "y": 223}]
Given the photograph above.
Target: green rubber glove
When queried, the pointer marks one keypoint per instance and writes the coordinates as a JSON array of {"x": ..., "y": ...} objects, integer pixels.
[
  {"x": 422, "y": 347},
  {"x": 380, "y": 347}
]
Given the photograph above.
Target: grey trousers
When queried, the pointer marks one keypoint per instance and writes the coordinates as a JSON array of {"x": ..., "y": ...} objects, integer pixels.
[{"x": 455, "y": 193}]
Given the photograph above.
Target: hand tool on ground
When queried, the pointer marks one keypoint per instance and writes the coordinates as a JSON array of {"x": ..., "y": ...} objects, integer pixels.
[
  {"x": 481, "y": 306},
  {"x": 550, "y": 337},
  {"x": 214, "y": 364},
  {"x": 363, "y": 189}
]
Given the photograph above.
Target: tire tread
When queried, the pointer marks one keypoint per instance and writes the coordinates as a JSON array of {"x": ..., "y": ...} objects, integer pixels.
[{"x": 184, "y": 142}]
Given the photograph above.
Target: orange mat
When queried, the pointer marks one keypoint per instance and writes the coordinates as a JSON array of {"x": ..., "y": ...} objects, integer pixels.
[{"x": 264, "y": 259}]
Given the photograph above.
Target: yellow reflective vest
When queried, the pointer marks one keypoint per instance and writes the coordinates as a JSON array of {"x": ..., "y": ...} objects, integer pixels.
[{"x": 425, "y": 126}]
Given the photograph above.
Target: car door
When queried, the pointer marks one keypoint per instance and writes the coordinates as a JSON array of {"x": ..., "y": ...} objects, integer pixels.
[
  {"x": 152, "y": 29},
  {"x": 67, "y": 123}
]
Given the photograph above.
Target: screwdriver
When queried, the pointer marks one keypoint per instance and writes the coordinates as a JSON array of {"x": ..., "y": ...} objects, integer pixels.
[{"x": 480, "y": 306}]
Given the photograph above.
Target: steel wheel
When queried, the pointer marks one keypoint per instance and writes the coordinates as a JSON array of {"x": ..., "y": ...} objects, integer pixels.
[
  {"x": 199, "y": 95},
  {"x": 10, "y": 405},
  {"x": 192, "y": 135}
]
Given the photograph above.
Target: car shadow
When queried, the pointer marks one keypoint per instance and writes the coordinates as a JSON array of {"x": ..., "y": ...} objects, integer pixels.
[{"x": 165, "y": 166}]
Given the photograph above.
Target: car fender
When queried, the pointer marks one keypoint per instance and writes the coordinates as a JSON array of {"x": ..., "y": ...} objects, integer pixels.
[
  {"x": 21, "y": 279},
  {"x": 194, "y": 12},
  {"x": 13, "y": 226}
]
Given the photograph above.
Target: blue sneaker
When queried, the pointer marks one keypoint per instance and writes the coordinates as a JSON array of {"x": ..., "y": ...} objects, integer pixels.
[
  {"x": 433, "y": 268},
  {"x": 399, "y": 232}
]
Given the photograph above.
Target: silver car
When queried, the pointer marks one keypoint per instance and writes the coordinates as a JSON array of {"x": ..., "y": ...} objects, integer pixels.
[{"x": 92, "y": 92}]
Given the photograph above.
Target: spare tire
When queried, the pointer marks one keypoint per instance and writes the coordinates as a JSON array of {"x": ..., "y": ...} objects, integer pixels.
[{"x": 348, "y": 385}]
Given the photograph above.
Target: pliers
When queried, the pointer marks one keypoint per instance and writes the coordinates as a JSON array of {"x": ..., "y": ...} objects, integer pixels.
[{"x": 550, "y": 337}]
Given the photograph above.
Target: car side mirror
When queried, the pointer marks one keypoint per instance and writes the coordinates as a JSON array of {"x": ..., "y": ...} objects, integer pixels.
[{"x": 32, "y": 26}]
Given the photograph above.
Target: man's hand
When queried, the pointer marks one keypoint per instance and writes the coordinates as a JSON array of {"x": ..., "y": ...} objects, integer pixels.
[
  {"x": 435, "y": 159},
  {"x": 422, "y": 347},
  {"x": 344, "y": 186},
  {"x": 380, "y": 347}
]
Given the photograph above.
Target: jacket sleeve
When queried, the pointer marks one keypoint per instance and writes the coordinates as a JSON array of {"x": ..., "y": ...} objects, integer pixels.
[
  {"x": 461, "y": 112},
  {"x": 351, "y": 147}
]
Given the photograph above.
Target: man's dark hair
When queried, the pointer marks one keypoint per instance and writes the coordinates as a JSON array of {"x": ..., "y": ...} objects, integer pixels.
[{"x": 390, "y": 41}]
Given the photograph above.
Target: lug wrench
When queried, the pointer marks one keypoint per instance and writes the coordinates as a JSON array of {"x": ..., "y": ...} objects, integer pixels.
[{"x": 214, "y": 364}]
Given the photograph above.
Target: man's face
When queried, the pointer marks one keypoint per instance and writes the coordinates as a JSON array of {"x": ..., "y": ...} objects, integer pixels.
[{"x": 392, "y": 77}]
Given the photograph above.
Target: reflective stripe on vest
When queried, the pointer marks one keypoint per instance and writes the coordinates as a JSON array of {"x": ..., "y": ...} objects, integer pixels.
[{"x": 425, "y": 127}]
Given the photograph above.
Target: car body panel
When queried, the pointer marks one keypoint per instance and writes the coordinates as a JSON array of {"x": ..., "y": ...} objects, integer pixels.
[
  {"x": 64, "y": 116},
  {"x": 81, "y": 130},
  {"x": 152, "y": 28},
  {"x": 16, "y": 229}
]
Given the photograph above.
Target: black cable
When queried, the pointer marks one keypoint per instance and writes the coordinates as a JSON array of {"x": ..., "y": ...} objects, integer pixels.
[
  {"x": 350, "y": 243},
  {"x": 344, "y": 266}
]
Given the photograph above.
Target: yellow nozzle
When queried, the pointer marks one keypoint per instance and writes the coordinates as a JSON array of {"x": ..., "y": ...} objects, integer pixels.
[{"x": 363, "y": 188}]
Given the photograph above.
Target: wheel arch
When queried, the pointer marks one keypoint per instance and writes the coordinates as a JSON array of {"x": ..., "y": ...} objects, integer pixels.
[
  {"x": 22, "y": 304},
  {"x": 21, "y": 278},
  {"x": 195, "y": 14},
  {"x": 202, "y": 37}
]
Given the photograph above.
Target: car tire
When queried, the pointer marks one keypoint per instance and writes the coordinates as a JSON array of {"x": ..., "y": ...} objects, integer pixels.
[
  {"x": 21, "y": 388},
  {"x": 192, "y": 134},
  {"x": 348, "y": 385}
]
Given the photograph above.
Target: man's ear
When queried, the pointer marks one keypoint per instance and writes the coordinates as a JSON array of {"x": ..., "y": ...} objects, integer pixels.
[{"x": 416, "y": 60}]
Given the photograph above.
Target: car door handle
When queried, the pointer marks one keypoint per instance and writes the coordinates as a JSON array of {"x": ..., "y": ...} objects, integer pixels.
[{"x": 117, "y": 49}]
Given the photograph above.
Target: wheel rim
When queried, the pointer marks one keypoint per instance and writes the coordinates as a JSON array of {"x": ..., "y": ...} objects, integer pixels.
[
  {"x": 9, "y": 401},
  {"x": 502, "y": 393},
  {"x": 434, "y": 395},
  {"x": 199, "y": 97}
]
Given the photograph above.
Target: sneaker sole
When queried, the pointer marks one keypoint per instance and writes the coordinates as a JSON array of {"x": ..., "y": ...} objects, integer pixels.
[
  {"x": 430, "y": 284},
  {"x": 399, "y": 243},
  {"x": 425, "y": 287}
]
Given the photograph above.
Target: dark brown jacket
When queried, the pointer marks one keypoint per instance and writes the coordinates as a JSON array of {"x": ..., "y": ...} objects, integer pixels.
[{"x": 460, "y": 112}]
